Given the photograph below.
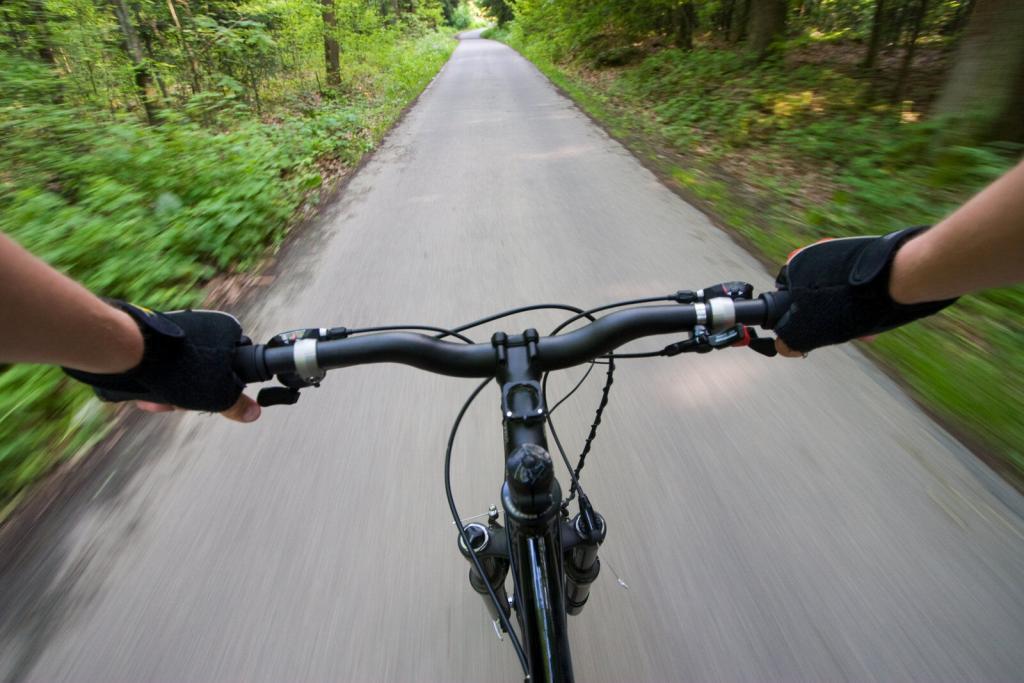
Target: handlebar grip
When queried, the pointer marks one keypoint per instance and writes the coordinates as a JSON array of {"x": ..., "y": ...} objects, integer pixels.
[
  {"x": 250, "y": 363},
  {"x": 776, "y": 305}
]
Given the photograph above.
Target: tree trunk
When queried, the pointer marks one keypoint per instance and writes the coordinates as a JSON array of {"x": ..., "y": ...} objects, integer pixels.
[
  {"x": 983, "y": 88},
  {"x": 143, "y": 79},
  {"x": 332, "y": 54},
  {"x": 193, "y": 66},
  {"x": 876, "y": 35},
  {"x": 908, "y": 54},
  {"x": 738, "y": 20},
  {"x": 767, "y": 23},
  {"x": 894, "y": 25},
  {"x": 44, "y": 43},
  {"x": 148, "y": 33},
  {"x": 685, "y": 20}
]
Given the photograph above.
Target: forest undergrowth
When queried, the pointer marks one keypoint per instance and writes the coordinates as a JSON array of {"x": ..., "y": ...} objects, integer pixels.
[
  {"x": 152, "y": 201},
  {"x": 805, "y": 144}
]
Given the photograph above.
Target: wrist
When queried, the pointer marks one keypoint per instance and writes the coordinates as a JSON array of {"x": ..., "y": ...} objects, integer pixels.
[
  {"x": 126, "y": 343},
  {"x": 906, "y": 286}
]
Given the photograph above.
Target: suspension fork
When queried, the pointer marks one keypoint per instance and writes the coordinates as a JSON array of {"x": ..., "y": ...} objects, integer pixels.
[
  {"x": 490, "y": 544},
  {"x": 587, "y": 532},
  {"x": 536, "y": 539},
  {"x": 532, "y": 501}
]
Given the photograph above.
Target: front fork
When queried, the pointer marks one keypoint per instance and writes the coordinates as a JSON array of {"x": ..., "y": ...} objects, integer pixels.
[
  {"x": 490, "y": 544},
  {"x": 581, "y": 562},
  {"x": 581, "y": 537}
]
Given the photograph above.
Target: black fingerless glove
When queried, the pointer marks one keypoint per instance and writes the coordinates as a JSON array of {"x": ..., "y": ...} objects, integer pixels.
[
  {"x": 186, "y": 361},
  {"x": 840, "y": 291}
]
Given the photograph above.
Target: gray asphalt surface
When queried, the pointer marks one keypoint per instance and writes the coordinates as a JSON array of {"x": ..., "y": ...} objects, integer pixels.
[{"x": 775, "y": 520}]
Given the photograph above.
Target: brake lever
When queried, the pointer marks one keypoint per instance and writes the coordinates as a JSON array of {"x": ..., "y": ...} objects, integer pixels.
[
  {"x": 763, "y": 345},
  {"x": 277, "y": 396},
  {"x": 737, "y": 335},
  {"x": 743, "y": 335}
]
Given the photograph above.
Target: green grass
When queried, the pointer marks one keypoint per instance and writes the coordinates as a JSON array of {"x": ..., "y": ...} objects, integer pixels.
[
  {"x": 815, "y": 161},
  {"x": 149, "y": 214}
]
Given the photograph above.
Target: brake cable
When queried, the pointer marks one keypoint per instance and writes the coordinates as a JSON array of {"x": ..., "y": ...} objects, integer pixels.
[
  {"x": 465, "y": 538},
  {"x": 512, "y": 311},
  {"x": 506, "y": 625},
  {"x": 574, "y": 474},
  {"x": 428, "y": 328}
]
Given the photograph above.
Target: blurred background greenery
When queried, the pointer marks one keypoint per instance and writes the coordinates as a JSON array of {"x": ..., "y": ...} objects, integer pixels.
[
  {"x": 147, "y": 146},
  {"x": 793, "y": 120}
]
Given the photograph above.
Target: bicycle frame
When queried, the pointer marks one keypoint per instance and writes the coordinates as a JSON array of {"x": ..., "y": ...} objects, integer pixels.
[
  {"x": 553, "y": 561},
  {"x": 532, "y": 500}
]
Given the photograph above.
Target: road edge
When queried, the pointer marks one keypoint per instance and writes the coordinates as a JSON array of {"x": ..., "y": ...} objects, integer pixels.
[
  {"x": 636, "y": 147},
  {"x": 65, "y": 479}
]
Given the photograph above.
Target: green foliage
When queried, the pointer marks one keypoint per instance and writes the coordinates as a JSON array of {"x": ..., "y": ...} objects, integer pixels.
[
  {"x": 462, "y": 17},
  {"x": 809, "y": 160},
  {"x": 139, "y": 212},
  {"x": 496, "y": 33},
  {"x": 150, "y": 213},
  {"x": 499, "y": 10}
]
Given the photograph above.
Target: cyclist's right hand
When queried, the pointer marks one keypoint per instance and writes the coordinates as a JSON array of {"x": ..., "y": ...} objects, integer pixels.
[
  {"x": 839, "y": 291},
  {"x": 186, "y": 363}
]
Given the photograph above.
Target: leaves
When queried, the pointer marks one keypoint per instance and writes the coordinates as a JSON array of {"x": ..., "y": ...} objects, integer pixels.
[
  {"x": 151, "y": 213},
  {"x": 807, "y": 158}
]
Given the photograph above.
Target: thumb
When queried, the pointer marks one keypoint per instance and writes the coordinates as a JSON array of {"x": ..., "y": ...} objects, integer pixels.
[{"x": 244, "y": 410}]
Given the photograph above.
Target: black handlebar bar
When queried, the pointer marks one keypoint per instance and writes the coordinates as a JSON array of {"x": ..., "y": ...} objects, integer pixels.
[{"x": 258, "y": 363}]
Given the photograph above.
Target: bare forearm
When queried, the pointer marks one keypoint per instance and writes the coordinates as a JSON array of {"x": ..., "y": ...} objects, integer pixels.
[
  {"x": 980, "y": 245},
  {"x": 49, "y": 318}
]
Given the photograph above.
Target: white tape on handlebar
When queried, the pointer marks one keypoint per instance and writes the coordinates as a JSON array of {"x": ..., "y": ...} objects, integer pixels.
[
  {"x": 304, "y": 353},
  {"x": 723, "y": 313}
]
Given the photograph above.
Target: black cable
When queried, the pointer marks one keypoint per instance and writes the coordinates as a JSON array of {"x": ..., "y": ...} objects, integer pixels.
[
  {"x": 642, "y": 354},
  {"x": 513, "y": 311},
  {"x": 573, "y": 391},
  {"x": 590, "y": 312},
  {"x": 574, "y": 474},
  {"x": 593, "y": 431},
  {"x": 462, "y": 532},
  {"x": 558, "y": 441},
  {"x": 429, "y": 328}
]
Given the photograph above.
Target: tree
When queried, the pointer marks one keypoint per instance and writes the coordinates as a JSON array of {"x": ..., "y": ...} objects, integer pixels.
[
  {"x": 500, "y": 10},
  {"x": 876, "y": 35},
  {"x": 332, "y": 54},
  {"x": 448, "y": 9},
  {"x": 685, "y": 19},
  {"x": 193, "y": 65},
  {"x": 919, "y": 10},
  {"x": 985, "y": 88},
  {"x": 738, "y": 18},
  {"x": 767, "y": 23},
  {"x": 143, "y": 77}
]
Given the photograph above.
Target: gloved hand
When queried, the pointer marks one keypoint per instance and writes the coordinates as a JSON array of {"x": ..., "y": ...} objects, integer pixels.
[
  {"x": 186, "y": 362},
  {"x": 840, "y": 291}
]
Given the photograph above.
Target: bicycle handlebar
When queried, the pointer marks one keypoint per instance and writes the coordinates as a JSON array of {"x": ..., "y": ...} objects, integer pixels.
[{"x": 306, "y": 357}]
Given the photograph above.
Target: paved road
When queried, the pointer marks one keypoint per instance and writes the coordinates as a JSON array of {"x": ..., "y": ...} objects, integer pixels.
[{"x": 775, "y": 520}]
